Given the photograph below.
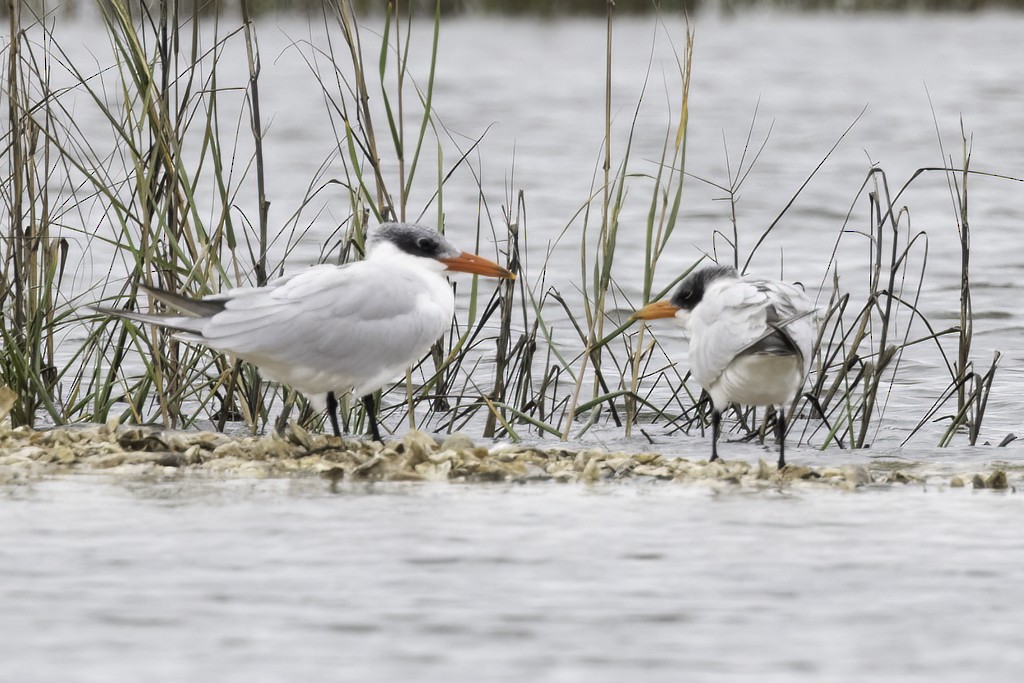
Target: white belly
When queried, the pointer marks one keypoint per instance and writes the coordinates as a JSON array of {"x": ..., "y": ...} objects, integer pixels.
[{"x": 758, "y": 380}]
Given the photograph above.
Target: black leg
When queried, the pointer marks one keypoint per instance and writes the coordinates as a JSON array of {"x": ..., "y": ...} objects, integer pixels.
[
  {"x": 780, "y": 427},
  {"x": 716, "y": 423},
  {"x": 332, "y": 412},
  {"x": 371, "y": 415}
]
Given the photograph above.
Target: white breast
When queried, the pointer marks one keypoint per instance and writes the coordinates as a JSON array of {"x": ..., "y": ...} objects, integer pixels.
[{"x": 758, "y": 380}]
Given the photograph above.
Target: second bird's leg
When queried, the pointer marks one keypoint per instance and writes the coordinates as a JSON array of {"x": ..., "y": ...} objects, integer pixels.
[
  {"x": 332, "y": 412},
  {"x": 371, "y": 416},
  {"x": 780, "y": 427},
  {"x": 716, "y": 423}
]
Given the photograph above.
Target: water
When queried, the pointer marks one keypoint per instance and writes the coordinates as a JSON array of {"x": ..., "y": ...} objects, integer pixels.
[{"x": 284, "y": 580}]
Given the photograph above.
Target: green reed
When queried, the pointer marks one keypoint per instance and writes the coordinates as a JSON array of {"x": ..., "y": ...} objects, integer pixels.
[{"x": 35, "y": 255}]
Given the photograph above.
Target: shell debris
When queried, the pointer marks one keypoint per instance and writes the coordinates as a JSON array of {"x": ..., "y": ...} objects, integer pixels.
[{"x": 27, "y": 454}]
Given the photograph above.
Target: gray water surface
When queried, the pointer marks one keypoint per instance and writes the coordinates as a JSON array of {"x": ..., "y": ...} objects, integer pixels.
[
  {"x": 191, "y": 579},
  {"x": 112, "y": 580}
]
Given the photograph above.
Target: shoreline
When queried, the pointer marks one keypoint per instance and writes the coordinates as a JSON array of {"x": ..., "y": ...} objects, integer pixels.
[{"x": 146, "y": 451}]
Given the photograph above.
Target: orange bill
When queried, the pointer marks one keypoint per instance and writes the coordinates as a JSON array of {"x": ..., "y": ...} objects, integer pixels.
[
  {"x": 659, "y": 309},
  {"x": 478, "y": 265}
]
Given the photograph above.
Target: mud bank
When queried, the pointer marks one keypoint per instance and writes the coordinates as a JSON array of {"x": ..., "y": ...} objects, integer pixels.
[{"x": 152, "y": 451}]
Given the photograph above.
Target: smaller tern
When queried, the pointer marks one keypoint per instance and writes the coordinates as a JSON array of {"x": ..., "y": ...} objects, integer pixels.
[
  {"x": 328, "y": 329},
  {"x": 750, "y": 340}
]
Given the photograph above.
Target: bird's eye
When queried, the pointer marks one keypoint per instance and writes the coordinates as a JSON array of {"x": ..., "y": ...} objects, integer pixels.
[
  {"x": 685, "y": 294},
  {"x": 426, "y": 244}
]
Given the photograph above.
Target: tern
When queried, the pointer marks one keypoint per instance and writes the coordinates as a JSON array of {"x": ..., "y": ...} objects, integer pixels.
[
  {"x": 329, "y": 329},
  {"x": 750, "y": 340}
]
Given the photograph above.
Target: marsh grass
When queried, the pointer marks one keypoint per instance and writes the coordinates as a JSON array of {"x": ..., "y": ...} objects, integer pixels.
[
  {"x": 520, "y": 359},
  {"x": 864, "y": 328},
  {"x": 35, "y": 257}
]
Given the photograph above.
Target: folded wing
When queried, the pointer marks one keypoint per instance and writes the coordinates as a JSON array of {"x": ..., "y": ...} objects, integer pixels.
[
  {"x": 330, "y": 328},
  {"x": 749, "y": 316}
]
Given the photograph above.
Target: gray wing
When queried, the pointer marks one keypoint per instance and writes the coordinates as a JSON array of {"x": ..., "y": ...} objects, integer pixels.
[
  {"x": 329, "y": 324},
  {"x": 749, "y": 316},
  {"x": 791, "y": 320}
]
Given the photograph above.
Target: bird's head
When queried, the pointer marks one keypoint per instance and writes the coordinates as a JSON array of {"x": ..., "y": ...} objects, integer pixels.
[
  {"x": 426, "y": 243},
  {"x": 686, "y": 297}
]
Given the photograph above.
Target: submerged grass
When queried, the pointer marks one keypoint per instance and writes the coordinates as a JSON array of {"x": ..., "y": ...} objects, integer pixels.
[{"x": 185, "y": 149}]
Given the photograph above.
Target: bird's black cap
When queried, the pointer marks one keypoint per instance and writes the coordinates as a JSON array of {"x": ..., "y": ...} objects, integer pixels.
[
  {"x": 418, "y": 240},
  {"x": 691, "y": 289}
]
